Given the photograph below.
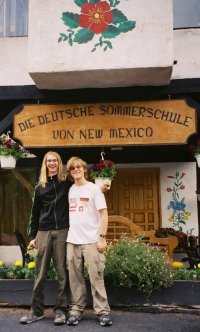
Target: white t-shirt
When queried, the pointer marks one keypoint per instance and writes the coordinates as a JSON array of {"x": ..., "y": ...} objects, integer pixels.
[{"x": 84, "y": 219}]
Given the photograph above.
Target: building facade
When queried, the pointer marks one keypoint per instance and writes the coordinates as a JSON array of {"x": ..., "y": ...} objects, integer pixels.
[{"x": 123, "y": 67}]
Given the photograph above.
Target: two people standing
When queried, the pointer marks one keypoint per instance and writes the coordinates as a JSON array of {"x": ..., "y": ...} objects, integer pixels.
[{"x": 49, "y": 224}]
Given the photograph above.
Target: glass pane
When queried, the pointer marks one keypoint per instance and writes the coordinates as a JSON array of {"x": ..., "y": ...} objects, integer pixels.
[
  {"x": 16, "y": 18},
  {"x": 10, "y": 17},
  {"x": 2, "y": 7},
  {"x": 186, "y": 13},
  {"x": 22, "y": 17}
]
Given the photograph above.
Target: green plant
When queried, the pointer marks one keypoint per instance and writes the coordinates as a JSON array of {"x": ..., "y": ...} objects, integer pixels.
[
  {"x": 2, "y": 270},
  {"x": 8, "y": 147},
  {"x": 134, "y": 263},
  {"x": 18, "y": 271},
  {"x": 195, "y": 148},
  {"x": 104, "y": 169},
  {"x": 182, "y": 273}
]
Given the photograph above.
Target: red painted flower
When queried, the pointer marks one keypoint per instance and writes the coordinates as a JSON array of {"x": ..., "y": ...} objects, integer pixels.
[{"x": 96, "y": 17}]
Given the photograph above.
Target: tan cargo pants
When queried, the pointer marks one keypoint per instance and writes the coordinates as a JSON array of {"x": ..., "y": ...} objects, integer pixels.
[{"x": 95, "y": 262}]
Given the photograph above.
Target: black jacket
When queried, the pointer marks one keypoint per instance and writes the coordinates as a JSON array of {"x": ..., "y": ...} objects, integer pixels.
[{"x": 50, "y": 208}]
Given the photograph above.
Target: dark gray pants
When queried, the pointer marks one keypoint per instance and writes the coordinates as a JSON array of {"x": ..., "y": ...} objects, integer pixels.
[{"x": 50, "y": 244}]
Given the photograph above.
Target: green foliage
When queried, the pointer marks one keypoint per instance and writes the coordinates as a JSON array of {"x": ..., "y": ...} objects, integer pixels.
[
  {"x": 132, "y": 263},
  {"x": 104, "y": 169},
  {"x": 17, "y": 271},
  {"x": 71, "y": 20},
  {"x": 52, "y": 274},
  {"x": 83, "y": 36},
  {"x": 80, "y": 3},
  {"x": 3, "y": 272},
  {"x": 127, "y": 26},
  {"x": 8, "y": 147},
  {"x": 114, "y": 3},
  {"x": 111, "y": 32},
  {"x": 118, "y": 16},
  {"x": 186, "y": 274}
]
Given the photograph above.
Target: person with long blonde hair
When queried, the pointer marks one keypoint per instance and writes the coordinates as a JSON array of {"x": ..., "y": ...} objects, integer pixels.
[{"x": 48, "y": 229}]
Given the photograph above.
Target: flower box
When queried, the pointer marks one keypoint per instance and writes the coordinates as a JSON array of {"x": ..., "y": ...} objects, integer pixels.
[
  {"x": 8, "y": 162},
  {"x": 181, "y": 293}
]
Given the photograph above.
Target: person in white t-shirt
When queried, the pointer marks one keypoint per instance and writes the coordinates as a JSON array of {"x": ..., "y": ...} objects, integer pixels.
[{"x": 88, "y": 219}]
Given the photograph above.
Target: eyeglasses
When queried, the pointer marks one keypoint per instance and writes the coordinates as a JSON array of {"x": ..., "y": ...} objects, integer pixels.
[
  {"x": 52, "y": 160},
  {"x": 74, "y": 167}
]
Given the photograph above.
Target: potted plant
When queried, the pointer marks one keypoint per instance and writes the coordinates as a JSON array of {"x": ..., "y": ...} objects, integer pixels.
[
  {"x": 10, "y": 152},
  {"x": 195, "y": 150},
  {"x": 103, "y": 172}
]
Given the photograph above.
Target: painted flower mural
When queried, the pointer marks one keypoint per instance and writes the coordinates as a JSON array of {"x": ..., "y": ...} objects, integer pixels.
[
  {"x": 179, "y": 215},
  {"x": 95, "y": 18}
]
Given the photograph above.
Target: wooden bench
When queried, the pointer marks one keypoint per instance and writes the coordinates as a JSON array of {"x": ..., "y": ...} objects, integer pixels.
[{"x": 119, "y": 225}]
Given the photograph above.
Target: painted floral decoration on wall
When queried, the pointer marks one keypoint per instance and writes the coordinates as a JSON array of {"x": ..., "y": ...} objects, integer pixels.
[
  {"x": 95, "y": 18},
  {"x": 179, "y": 215}
]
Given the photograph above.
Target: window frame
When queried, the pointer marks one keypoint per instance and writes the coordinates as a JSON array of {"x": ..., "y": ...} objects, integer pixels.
[{"x": 13, "y": 18}]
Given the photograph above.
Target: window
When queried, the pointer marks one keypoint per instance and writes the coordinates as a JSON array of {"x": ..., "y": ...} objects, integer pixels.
[
  {"x": 13, "y": 18},
  {"x": 186, "y": 14}
]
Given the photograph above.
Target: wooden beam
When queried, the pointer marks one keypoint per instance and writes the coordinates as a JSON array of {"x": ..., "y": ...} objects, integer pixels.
[
  {"x": 8, "y": 120},
  {"x": 23, "y": 181}
]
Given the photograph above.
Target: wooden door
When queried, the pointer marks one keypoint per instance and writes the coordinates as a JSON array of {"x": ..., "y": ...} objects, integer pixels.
[{"x": 135, "y": 195}]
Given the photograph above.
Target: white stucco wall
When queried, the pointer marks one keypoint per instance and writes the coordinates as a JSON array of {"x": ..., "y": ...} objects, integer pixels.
[
  {"x": 13, "y": 62},
  {"x": 186, "y": 52},
  {"x": 16, "y": 60},
  {"x": 10, "y": 254},
  {"x": 142, "y": 56}
]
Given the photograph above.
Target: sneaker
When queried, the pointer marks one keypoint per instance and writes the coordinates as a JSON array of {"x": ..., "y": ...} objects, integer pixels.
[
  {"x": 105, "y": 320},
  {"x": 60, "y": 318},
  {"x": 30, "y": 318},
  {"x": 73, "y": 320}
]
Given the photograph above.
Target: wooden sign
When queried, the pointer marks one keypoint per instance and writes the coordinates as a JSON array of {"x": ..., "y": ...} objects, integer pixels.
[{"x": 127, "y": 123}]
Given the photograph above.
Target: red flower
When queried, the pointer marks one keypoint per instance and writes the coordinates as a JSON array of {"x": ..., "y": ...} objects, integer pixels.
[
  {"x": 95, "y": 16},
  {"x": 8, "y": 143},
  {"x": 182, "y": 187},
  {"x": 169, "y": 189}
]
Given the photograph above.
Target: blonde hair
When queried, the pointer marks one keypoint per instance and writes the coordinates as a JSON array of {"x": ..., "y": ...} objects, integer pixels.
[
  {"x": 44, "y": 172},
  {"x": 76, "y": 161}
]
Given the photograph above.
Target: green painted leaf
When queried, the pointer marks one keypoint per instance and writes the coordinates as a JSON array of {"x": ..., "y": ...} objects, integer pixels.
[
  {"x": 113, "y": 3},
  {"x": 80, "y": 3},
  {"x": 118, "y": 16},
  {"x": 127, "y": 26},
  {"x": 83, "y": 36},
  {"x": 63, "y": 34},
  {"x": 70, "y": 19},
  {"x": 93, "y": 1},
  {"x": 111, "y": 32},
  {"x": 70, "y": 41}
]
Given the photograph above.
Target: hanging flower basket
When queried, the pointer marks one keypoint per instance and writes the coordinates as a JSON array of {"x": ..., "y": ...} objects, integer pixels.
[
  {"x": 10, "y": 151},
  {"x": 103, "y": 182},
  {"x": 8, "y": 162},
  {"x": 103, "y": 172}
]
